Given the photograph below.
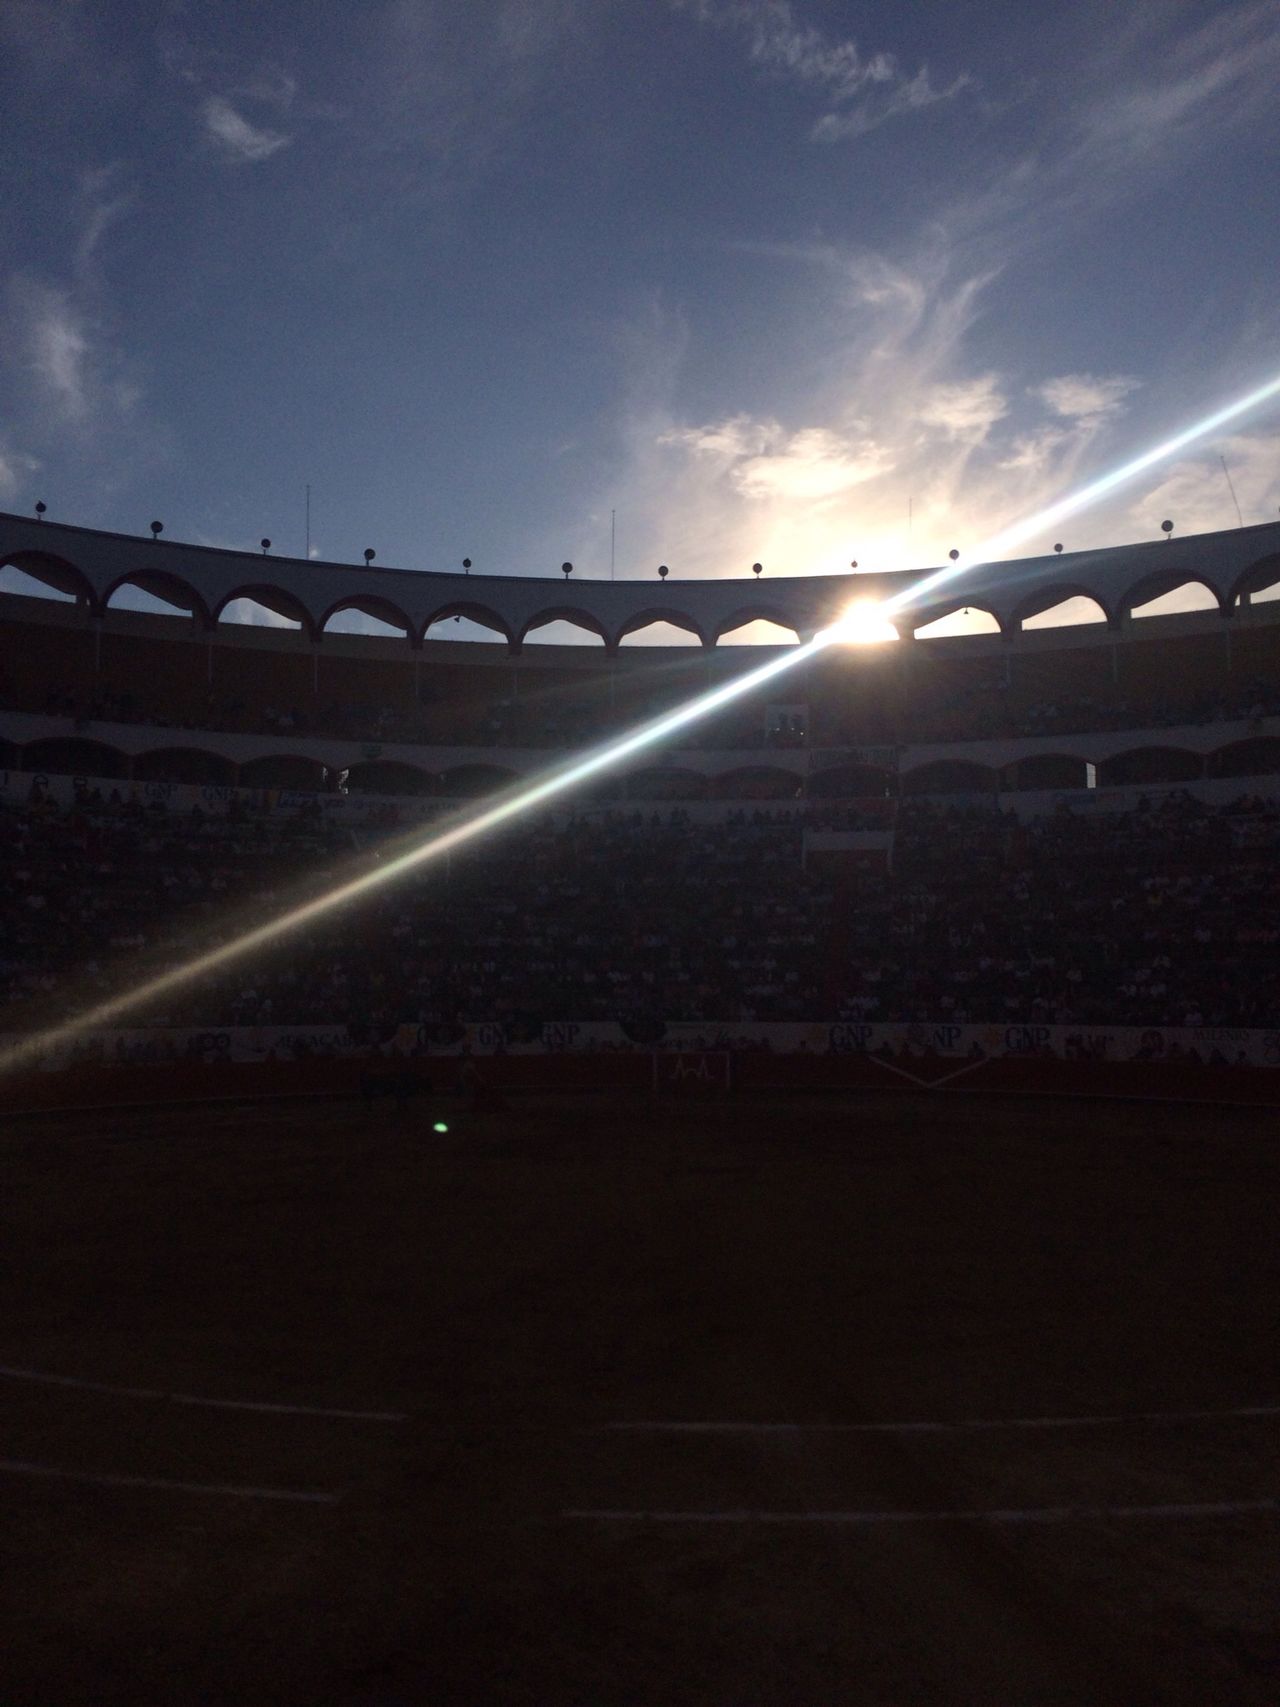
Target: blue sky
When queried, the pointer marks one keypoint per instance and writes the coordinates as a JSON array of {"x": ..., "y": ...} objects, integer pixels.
[{"x": 784, "y": 280}]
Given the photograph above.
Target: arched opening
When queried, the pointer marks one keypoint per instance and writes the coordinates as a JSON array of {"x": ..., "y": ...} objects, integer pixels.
[
  {"x": 368, "y": 615},
  {"x": 70, "y": 756},
  {"x": 1257, "y": 756},
  {"x": 466, "y": 621},
  {"x": 283, "y": 770},
  {"x": 755, "y": 627},
  {"x": 1260, "y": 583},
  {"x": 757, "y": 782},
  {"x": 1070, "y": 612},
  {"x": 950, "y": 776},
  {"x": 1048, "y": 770},
  {"x": 154, "y": 592},
  {"x": 1142, "y": 765},
  {"x": 562, "y": 626},
  {"x": 263, "y": 607},
  {"x": 390, "y": 776},
  {"x": 1186, "y": 595},
  {"x": 660, "y": 784},
  {"x": 470, "y": 782},
  {"x": 184, "y": 764},
  {"x": 850, "y": 782},
  {"x": 32, "y": 575},
  {"x": 967, "y": 619},
  {"x": 660, "y": 629}
]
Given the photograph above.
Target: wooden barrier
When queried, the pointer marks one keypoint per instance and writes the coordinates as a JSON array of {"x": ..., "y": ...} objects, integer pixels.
[{"x": 627, "y": 1074}]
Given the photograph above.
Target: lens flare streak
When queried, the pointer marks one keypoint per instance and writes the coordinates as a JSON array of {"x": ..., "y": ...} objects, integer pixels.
[
  {"x": 433, "y": 847},
  {"x": 609, "y": 754},
  {"x": 1018, "y": 533}
]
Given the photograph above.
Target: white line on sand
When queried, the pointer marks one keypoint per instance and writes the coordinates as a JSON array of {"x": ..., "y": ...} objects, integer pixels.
[
  {"x": 47, "y": 1380},
  {"x": 938, "y": 1427},
  {"x": 54, "y": 1472},
  {"x": 865, "y": 1519}
]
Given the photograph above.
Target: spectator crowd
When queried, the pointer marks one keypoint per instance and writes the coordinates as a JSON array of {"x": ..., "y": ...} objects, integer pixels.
[{"x": 1168, "y": 915}]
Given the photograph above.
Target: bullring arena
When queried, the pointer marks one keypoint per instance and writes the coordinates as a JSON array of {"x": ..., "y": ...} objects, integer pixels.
[{"x": 791, "y": 1223}]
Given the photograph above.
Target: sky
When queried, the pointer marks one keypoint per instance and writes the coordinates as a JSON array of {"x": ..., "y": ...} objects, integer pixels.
[{"x": 629, "y": 282}]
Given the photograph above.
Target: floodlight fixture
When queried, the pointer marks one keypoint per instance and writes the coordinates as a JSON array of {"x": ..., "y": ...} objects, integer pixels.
[
  {"x": 40, "y": 509},
  {"x": 1058, "y": 549},
  {"x": 757, "y": 568},
  {"x": 266, "y": 546},
  {"x": 566, "y": 569},
  {"x": 1166, "y": 528},
  {"x": 157, "y": 528},
  {"x": 663, "y": 571},
  {"x": 369, "y": 555},
  {"x": 466, "y": 565}
]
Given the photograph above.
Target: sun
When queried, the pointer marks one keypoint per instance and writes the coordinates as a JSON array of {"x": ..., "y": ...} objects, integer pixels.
[{"x": 863, "y": 624}]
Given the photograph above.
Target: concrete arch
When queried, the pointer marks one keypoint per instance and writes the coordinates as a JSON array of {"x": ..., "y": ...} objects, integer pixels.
[
  {"x": 272, "y": 598},
  {"x": 1264, "y": 573},
  {"x": 1157, "y": 584},
  {"x": 757, "y": 611},
  {"x": 392, "y": 776},
  {"x": 1138, "y": 766},
  {"x": 469, "y": 782},
  {"x": 170, "y": 589},
  {"x": 470, "y": 611},
  {"x": 1256, "y": 755},
  {"x": 757, "y": 782},
  {"x": 72, "y": 755},
  {"x": 932, "y": 614},
  {"x": 564, "y": 613},
  {"x": 184, "y": 764},
  {"x": 52, "y": 571},
  {"x": 649, "y": 614},
  {"x": 666, "y": 782},
  {"x": 950, "y": 776},
  {"x": 1048, "y": 770},
  {"x": 848, "y": 782},
  {"x": 372, "y": 605},
  {"x": 1045, "y": 599},
  {"x": 283, "y": 770}
]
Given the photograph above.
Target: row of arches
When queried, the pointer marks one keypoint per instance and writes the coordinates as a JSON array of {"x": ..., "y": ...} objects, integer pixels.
[
  {"x": 1149, "y": 764},
  {"x": 761, "y": 620}
]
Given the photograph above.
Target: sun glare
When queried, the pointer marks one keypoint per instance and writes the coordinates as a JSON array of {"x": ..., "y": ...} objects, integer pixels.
[{"x": 863, "y": 624}]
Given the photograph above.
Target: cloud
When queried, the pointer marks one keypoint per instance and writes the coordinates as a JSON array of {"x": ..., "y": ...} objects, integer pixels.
[
  {"x": 810, "y": 466},
  {"x": 1195, "y": 495},
  {"x": 51, "y": 347},
  {"x": 15, "y": 469},
  {"x": 1216, "y": 76},
  {"x": 1082, "y": 396},
  {"x": 240, "y": 142},
  {"x": 861, "y": 91},
  {"x": 967, "y": 409}
]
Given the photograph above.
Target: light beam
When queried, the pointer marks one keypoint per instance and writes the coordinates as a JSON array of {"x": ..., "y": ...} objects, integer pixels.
[
  {"x": 1017, "y": 533},
  {"x": 610, "y": 753},
  {"x": 477, "y": 823}
]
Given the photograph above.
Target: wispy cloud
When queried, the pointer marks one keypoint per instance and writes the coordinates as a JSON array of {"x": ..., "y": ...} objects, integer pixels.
[
  {"x": 239, "y": 142},
  {"x": 16, "y": 469},
  {"x": 1083, "y": 396},
  {"x": 73, "y": 386},
  {"x": 1217, "y": 76},
  {"x": 859, "y": 91}
]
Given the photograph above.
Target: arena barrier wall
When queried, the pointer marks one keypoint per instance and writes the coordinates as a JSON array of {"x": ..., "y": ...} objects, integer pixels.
[{"x": 417, "y": 1086}]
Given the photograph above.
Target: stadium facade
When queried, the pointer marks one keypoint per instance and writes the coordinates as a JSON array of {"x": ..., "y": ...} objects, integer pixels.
[{"x": 90, "y": 688}]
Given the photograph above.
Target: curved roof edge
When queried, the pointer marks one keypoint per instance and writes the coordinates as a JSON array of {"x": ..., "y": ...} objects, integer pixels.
[{"x": 93, "y": 564}]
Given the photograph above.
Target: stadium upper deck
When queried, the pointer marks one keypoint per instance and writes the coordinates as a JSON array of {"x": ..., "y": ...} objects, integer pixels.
[{"x": 86, "y": 685}]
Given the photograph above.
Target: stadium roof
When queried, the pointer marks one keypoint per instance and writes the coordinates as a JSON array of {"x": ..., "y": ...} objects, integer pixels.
[{"x": 93, "y": 565}]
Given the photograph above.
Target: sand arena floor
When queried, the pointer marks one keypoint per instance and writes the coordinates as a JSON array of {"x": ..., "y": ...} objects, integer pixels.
[{"x": 804, "y": 1401}]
